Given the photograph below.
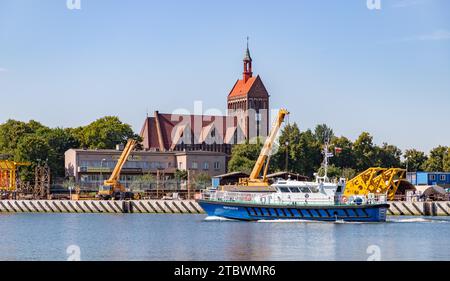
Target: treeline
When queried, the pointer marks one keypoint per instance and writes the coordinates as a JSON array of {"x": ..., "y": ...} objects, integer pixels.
[
  {"x": 304, "y": 150},
  {"x": 34, "y": 142},
  {"x": 31, "y": 141}
]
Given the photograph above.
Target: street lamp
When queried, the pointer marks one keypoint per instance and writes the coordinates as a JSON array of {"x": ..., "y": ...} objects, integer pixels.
[
  {"x": 287, "y": 155},
  {"x": 101, "y": 170}
]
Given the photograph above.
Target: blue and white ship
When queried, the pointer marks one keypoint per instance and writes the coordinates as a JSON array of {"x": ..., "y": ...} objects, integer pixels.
[
  {"x": 255, "y": 199},
  {"x": 294, "y": 200}
]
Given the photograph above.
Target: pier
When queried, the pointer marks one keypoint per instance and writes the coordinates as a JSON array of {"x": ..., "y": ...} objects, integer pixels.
[
  {"x": 436, "y": 208},
  {"x": 101, "y": 206},
  {"x": 398, "y": 208}
]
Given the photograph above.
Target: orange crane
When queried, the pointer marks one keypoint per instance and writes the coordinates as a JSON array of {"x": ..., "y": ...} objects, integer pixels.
[
  {"x": 112, "y": 188},
  {"x": 264, "y": 155},
  {"x": 8, "y": 174}
]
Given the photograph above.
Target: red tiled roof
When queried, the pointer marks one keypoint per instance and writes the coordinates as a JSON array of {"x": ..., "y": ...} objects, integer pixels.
[
  {"x": 169, "y": 121},
  {"x": 242, "y": 88}
]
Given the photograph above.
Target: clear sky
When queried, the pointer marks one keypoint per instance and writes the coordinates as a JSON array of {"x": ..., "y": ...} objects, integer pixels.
[{"x": 356, "y": 69}]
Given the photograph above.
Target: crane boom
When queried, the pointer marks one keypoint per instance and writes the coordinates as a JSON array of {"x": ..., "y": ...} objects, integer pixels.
[
  {"x": 113, "y": 180},
  {"x": 267, "y": 148},
  {"x": 264, "y": 155}
]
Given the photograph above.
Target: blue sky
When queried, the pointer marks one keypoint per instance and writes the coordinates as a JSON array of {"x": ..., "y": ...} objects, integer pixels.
[{"x": 383, "y": 71}]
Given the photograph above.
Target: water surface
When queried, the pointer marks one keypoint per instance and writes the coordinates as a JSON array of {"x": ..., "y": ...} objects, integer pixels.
[{"x": 195, "y": 237}]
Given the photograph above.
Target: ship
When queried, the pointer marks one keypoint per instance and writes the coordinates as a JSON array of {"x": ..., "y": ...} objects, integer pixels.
[{"x": 255, "y": 199}]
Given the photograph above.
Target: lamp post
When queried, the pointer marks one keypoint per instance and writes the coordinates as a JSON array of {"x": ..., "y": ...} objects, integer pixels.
[
  {"x": 287, "y": 155},
  {"x": 101, "y": 170},
  {"x": 407, "y": 163}
]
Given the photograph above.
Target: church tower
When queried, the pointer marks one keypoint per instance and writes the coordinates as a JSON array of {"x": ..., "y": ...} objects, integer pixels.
[{"x": 249, "y": 101}]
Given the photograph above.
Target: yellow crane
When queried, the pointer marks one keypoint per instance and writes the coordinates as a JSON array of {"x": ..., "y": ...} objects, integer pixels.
[
  {"x": 8, "y": 174},
  {"x": 264, "y": 156},
  {"x": 375, "y": 180},
  {"x": 112, "y": 188}
]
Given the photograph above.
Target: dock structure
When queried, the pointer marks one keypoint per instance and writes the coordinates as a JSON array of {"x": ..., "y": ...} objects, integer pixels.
[
  {"x": 402, "y": 208},
  {"x": 399, "y": 208},
  {"x": 101, "y": 206}
]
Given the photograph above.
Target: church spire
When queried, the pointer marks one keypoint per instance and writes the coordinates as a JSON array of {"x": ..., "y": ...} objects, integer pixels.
[{"x": 247, "y": 64}]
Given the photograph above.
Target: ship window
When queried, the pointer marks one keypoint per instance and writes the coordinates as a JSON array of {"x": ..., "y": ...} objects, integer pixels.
[
  {"x": 314, "y": 189},
  {"x": 305, "y": 189},
  {"x": 294, "y": 189},
  {"x": 284, "y": 189}
]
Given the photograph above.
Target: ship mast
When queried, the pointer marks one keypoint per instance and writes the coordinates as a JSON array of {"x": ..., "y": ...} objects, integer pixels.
[{"x": 325, "y": 160}]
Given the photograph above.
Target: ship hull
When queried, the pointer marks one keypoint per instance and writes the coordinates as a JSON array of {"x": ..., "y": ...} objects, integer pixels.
[{"x": 255, "y": 212}]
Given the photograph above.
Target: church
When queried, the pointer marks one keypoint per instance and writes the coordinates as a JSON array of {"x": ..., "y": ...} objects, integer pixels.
[{"x": 247, "y": 118}]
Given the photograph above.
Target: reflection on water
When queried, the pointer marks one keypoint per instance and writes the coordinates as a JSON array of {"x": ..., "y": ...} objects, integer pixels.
[{"x": 195, "y": 237}]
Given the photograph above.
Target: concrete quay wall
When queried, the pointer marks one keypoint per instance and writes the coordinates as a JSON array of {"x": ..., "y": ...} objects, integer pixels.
[{"x": 400, "y": 208}]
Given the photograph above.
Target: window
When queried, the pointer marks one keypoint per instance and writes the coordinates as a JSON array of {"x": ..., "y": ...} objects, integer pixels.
[
  {"x": 305, "y": 189},
  {"x": 442, "y": 177},
  {"x": 314, "y": 189},
  {"x": 284, "y": 189},
  {"x": 294, "y": 189},
  {"x": 205, "y": 166},
  {"x": 432, "y": 177},
  {"x": 194, "y": 165},
  {"x": 216, "y": 165}
]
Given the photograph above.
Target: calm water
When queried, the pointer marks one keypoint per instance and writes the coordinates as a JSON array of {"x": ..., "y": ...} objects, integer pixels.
[{"x": 191, "y": 237}]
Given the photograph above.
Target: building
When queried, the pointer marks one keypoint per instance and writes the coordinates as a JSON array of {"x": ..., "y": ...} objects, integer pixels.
[
  {"x": 429, "y": 178},
  {"x": 248, "y": 100},
  {"x": 177, "y": 132},
  {"x": 247, "y": 117},
  {"x": 92, "y": 167}
]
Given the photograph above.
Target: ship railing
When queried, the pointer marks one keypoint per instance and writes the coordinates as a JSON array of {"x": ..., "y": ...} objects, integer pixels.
[
  {"x": 259, "y": 198},
  {"x": 369, "y": 199},
  {"x": 265, "y": 198}
]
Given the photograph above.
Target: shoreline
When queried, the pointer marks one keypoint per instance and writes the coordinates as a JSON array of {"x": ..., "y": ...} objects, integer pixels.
[{"x": 397, "y": 208}]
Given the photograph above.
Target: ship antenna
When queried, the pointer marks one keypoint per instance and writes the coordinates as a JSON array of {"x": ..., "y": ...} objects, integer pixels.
[{"x": 325, "y": 159}]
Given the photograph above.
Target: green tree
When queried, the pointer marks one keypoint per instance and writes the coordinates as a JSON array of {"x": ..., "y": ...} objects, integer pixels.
[
  {"x": 323, "y": 133},
  {"x": 364, "y": 152},
  {"x": 289, "y": 135},
  {"x": 202, "y": 179},
  {"x": 105, "y": 133},
  {"x": 435, "y": 162},
  {"x": 34, "y": 149},
  {"x": 414, "y": 160},
  {"x": 388, "y": 156},
  {"x": 59, "y": 140},
  {"x": 12, "y": 131},
  {"x": 308, "y": 157},
  {"x": 142, "y": 182},
  {"x": 243, "y": 157},
  {"x": 345, "y": 158},
  {"x": 447, "y": 161},
  {"x": 181, "y": 175},
  {"x": 332, "y": 173},
  {"x": 348, "y": 173},
  {"x": 304, "y": 151}
]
